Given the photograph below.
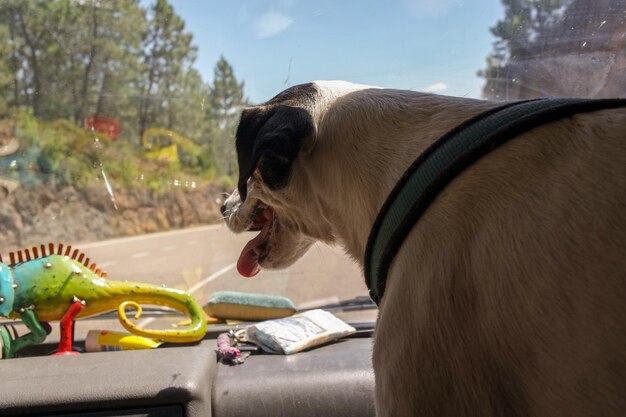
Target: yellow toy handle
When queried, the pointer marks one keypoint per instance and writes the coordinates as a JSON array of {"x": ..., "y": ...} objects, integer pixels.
[
  {"x": 121, "y": 309},
  {"x": 192, "y": 333}
]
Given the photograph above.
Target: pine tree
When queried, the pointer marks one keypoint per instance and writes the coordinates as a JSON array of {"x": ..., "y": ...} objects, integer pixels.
[
  {"x": 226, "y": 98},
  {"x": 169, "y": 50},
  {"x": 69, "y": 59},
  {"x": 558, "y": 48},
  {"x": 6, "y": 79},
  {"x": 515, "y": 44}
]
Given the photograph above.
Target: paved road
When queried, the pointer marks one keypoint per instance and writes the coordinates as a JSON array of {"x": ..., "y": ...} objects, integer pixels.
[{"x": 203, "y": 259}]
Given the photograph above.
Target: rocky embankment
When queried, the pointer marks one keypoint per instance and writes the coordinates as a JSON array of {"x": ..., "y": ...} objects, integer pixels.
[{"x": 33, "y": 216}]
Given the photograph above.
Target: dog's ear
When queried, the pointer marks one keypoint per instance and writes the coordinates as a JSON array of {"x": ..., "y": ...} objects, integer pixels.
[{"x": 270, "y": 140}]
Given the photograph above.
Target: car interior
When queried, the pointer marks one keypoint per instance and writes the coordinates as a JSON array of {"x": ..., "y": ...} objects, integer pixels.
[{"x": 117, "y": 149}]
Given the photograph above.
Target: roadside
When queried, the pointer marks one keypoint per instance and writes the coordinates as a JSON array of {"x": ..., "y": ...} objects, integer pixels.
[
  {"x": 61, "y": 182},
  {"x": 43, "y": 214}
]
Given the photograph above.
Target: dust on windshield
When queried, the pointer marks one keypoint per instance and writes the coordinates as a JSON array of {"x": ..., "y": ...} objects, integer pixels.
[{"x": 117, "y": 117}]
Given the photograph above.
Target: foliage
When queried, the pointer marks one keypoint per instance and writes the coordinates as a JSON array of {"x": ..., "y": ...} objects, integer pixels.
[
  {"x": 69, "y": 155},
  {"x": 226, "y": 98},
  {"x": 167, "y": 54},
  {"x": 557, "y": 48},
  {"x": 5, "y": 65},
  {"x": 516, "y": 35},
  {"x": 226, "y": 183},
  {"x": 72, "y": 59}
]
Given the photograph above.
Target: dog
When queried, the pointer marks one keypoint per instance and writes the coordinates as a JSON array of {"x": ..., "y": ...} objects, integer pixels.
[{"x": 508, "y": 296}]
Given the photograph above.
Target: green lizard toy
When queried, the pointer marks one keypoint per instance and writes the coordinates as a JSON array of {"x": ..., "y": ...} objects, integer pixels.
[{"x": 42, "y": 288}]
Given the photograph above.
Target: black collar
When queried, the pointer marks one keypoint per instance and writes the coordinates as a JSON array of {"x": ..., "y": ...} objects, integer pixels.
[{"x": 444, "y": 160}]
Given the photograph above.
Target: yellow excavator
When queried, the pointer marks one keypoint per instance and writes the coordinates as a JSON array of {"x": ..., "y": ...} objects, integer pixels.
[{"x": 165, "y": 145}]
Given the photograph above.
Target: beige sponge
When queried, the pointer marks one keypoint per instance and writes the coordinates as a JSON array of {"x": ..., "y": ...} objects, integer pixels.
[{"x": 233, "y": 305}]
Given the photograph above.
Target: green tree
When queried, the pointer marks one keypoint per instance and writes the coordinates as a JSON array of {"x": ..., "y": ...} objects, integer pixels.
[
  {"x": 187, "y": 105},
  {"x": 29, "y": 21},
  {"x": 69, "y": 59},
  {"x": 168, "y": 52},
  {"x": 557, "y": 48},
  {"x": 6, "y": 80},
  {"x": 110, "y": 52},
  {"x": 225, "y": 100},
  {"x": 64, "y": 54},
  {"x": 516, "y": 39}
]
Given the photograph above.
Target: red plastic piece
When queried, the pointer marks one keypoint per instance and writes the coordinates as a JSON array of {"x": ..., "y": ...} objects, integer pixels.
[
  {"x": 107, "y": 125},
  {"x": 67, "y": 327}
]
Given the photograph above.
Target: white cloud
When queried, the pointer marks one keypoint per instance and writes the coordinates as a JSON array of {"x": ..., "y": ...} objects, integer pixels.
[
  {"x": 436, "y": 88},
  {"x": 271, "y": 24}
]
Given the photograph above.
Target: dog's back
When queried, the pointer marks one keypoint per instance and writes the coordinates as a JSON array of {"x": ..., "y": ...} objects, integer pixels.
[{"x": 508, "y": 296}]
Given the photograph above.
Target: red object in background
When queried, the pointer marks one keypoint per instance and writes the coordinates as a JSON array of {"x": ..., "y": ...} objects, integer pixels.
[{"x": 106, "y": 125}]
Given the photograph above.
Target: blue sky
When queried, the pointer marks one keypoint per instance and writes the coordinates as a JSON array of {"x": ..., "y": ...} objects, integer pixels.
[{"x": 433, "y": 45}]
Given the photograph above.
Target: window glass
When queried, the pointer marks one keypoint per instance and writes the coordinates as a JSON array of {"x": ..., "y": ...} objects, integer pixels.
[{"x": 117, "y": 117}]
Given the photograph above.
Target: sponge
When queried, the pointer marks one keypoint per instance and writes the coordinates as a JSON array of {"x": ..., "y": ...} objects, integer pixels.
[{"x": 234, "y": 305}]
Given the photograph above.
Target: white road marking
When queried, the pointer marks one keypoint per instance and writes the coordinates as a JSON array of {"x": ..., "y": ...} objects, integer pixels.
[
  {"x": 194, "y": 288},
  {"x": 212, "y": 277},
  {"x": 140, "y": 255},
  {"x": 168, "y": 248}
]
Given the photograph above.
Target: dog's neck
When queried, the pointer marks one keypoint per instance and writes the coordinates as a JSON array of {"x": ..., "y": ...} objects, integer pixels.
[{"x": 372, "y": 136}]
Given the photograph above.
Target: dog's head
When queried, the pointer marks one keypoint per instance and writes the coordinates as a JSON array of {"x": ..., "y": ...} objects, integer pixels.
[{"x": 274, "y": 195}]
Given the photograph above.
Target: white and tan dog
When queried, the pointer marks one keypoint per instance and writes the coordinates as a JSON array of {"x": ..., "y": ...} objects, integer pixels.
[{"x": 508, "y": 296}]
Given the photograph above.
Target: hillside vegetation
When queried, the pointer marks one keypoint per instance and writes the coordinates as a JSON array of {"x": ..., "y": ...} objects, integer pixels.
[{"x": 59, "y": 153}]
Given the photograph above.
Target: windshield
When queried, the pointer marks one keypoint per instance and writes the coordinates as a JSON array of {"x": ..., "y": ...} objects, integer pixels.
[{"x": 117, "y": 117}]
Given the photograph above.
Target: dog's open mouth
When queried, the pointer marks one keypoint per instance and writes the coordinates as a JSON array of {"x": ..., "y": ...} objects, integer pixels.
[{"x": 256, "y": 250}]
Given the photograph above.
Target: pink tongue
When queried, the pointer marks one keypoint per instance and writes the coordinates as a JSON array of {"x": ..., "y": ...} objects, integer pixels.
[{"x": 248, "y": 263}]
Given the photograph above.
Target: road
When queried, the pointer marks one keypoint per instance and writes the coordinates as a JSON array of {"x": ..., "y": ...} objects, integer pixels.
[{"x": 202, "y": 260}]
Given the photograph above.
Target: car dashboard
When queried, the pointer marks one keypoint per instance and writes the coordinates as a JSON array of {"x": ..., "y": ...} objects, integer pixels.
[{"x": 335, "y": 379}]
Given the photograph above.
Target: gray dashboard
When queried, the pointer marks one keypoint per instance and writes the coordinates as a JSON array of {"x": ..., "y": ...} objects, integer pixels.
[{"x": 331, "y": 380}]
